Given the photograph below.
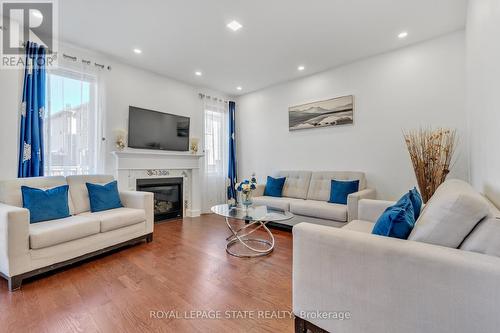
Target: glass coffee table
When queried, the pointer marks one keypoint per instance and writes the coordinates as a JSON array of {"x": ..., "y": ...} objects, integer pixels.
[{"x": 256, "y": 218}]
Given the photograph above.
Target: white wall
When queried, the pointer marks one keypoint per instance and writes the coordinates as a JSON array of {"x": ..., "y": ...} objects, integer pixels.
[
  {"x": 10, "y": 101},
  {"x": 483, "y": 95},
  {"x": 419, "y": 85},
  {"x": 124, "y": 85}
]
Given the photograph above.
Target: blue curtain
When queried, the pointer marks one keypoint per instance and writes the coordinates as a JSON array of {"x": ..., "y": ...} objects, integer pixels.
[
  {"x": 32, "y": 109},
  {"x": 231, "y": 173}
]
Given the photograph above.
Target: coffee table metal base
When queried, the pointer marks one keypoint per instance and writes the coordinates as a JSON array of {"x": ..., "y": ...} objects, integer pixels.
[{"x": 241, "y": 236}]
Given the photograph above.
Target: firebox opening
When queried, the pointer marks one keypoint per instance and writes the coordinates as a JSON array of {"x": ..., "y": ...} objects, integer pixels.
[{"x": 167, "y": 196}]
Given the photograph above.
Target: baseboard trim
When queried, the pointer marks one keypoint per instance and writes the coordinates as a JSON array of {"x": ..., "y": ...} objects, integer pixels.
[
  {"x": 16, "y": 280},
  {"x": 193, "y": 212}
]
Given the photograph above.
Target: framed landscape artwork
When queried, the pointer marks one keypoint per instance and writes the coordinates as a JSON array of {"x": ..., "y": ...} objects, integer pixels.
[{"x": 331, "y": 112}]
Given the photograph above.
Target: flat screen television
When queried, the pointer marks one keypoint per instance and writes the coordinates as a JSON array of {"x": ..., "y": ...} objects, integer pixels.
[{"x": 148, "y": 129}]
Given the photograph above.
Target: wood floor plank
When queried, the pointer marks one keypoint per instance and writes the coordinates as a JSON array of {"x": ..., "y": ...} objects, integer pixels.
[{"x": 184, "y": 269}]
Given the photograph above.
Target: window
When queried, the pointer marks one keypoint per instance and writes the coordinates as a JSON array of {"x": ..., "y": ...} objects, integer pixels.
[
  {"x": 72, "y": 120},
  {"x": 213, "y": 140}
]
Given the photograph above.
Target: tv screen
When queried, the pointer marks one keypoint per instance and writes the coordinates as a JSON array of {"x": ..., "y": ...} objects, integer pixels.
[{"x": 149, "y": 129}]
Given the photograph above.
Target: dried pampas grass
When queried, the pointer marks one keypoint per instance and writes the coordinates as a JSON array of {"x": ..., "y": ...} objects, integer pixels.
[{"x": 431, "y": 152}]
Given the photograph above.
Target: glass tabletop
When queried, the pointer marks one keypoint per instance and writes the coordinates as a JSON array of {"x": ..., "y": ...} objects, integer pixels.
[{"x": 252, "y": 213}]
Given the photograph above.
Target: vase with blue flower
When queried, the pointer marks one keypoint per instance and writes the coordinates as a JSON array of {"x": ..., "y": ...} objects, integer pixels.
[{"x": 246, "y": 188}]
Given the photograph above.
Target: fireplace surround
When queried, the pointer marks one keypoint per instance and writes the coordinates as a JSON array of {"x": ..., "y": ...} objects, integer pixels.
[{"x": 133, "y": 164}]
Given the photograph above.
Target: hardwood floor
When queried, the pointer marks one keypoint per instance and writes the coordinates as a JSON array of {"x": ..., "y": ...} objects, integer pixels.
[{"x": 184, "y": 269}]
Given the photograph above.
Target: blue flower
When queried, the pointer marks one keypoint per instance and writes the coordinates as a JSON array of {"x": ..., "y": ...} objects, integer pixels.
[
  {"x": 246, "y": 181},
  {"x": 254, "y": 180},
  {"x": 253, "y": 187}
]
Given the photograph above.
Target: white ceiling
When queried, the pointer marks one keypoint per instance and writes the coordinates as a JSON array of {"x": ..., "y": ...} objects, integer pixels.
[{"x": 179, "y": 37}]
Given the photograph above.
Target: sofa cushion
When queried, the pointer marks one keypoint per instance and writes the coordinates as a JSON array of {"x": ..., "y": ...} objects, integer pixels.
[
  {"x": 397, "y": 221},
  {"x": 340, "y": 190},
  {"x": 103, "y": 197},
  {"x": 10, "y": 190},
  {"x": 485, "y": 238},
  {"x": 78, "y": 190},
  {"x": 296, "y": 184},
  {"x": 274, "y": 202},
  {"x": 320, "y": 186},
  {"x": 274, "y": 187},
  {"x": 359, "y": 225},
  {"x": 117, "y": 218},
  {"x": 450, "y": 215},
  {"x": 45, "y": 205},
  {"x": 319, "y": 209},
  {"x": 416, "y": 201},
  {"x": 49, "y": 233}
]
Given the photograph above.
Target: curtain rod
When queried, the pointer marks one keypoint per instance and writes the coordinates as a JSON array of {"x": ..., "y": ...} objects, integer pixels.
[
  {"x": 23, "y": 44},
  {"x": 84, "y": 61},
  {"x": 215, "y": 98}
]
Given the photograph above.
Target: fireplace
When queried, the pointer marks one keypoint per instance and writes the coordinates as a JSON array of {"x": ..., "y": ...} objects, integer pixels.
[{"x": 167, "y": 196}]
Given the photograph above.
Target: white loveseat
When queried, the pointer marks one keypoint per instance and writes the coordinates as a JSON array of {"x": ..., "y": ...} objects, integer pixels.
[
  {"x": 306, "y": 195},
  {"x": 390, "y": 285},
  {"x": 30, "y": 249}
]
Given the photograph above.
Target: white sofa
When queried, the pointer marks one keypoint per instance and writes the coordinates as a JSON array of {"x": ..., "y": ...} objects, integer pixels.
[
  {"x": 393, "y": 285},
  {"x": 30, "y": 249},
  {"x": 306, "y": 195}
]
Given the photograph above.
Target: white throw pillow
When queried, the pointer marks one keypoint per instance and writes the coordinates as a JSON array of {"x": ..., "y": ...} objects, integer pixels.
[{"x": 450, "y": 215}]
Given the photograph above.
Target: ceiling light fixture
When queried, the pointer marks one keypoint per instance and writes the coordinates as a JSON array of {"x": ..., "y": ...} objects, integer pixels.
[
  {"x": 198, "y": 73},
  {"x": 301, "y": 68},
  {"x": 239, "y": 88},
  {"x": 137, "y": 51},
  {"x": 234, "y": 25},
  {"x": 403, "y": 35}
]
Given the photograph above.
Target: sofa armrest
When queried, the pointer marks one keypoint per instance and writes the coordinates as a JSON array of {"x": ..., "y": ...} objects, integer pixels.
[
  {"x": 353, "y": 201},
  {"x": 259, "y": 191},
  {"x": 370, "y": 210},
  {"x": 140, "y": 200},
  {"x": 14, "y": 240},
  {"x": 421, "y": 287}
]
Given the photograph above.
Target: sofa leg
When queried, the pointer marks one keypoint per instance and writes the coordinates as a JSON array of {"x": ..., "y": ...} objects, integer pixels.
[
  {"x": 303, "y": 326},
  {"x": 14, "y": 282},
  {"x": 300, "y": 325},
  {"x": 149, "y": 238}
]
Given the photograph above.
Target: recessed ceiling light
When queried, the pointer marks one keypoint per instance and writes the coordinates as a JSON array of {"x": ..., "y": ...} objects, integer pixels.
[
  {"x": 239, "y": 88},
  {"x": 198, "y": 73},
  {"x": 403, "y": 35},
  {"x": 301, "y": 68},
  {"x": 234, "y": 25},
  {"x": 137, "y": 51}
]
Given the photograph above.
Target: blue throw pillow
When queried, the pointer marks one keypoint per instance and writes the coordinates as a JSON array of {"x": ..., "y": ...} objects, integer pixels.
[
  {"x": 103, "y": 197},
  {"x": 397, "y": 221},
  {"x": 340, "y": 189},
  {"x": 416, "y": 201},
  {"x": 274, "y": 186},
  {"x": 46, "y": 205}
]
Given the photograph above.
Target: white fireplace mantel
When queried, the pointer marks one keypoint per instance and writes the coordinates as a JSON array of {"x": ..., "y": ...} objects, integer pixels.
[
  {"x": 151, "y": 159},
  {"x": 132, "y": 164}
]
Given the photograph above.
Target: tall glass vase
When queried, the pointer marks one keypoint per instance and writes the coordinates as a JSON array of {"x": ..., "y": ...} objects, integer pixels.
[{"x": 246, "y": 199}]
